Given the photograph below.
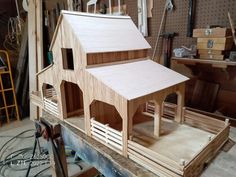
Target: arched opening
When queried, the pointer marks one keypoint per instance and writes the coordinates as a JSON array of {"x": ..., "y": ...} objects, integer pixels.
[
  {"x": 50, "y": 99},
  {"x": 143, "y": 120},
  {"x": 169, "y": 106},
  {"x": 73, "y": 104},
  {"x": 106, "y": 125},
  {"x": 106, "y": 114},
  {"x": 155, "y": 118}
]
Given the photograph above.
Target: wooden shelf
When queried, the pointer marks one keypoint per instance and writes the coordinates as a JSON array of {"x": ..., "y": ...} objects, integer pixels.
[{"x": 214, "y": 63}]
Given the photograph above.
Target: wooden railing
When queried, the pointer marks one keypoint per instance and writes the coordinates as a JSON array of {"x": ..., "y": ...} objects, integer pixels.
[
  {"x": 36, "y": 99},
  {"x": 107, "y": 135},
  {"x": 51, "y": 92},
  {"x": 169, "y": 109},
  {"x": 154, "y": 161},
  {"x": 51, "y": 106},
  {"x": 202, "y": 121}
]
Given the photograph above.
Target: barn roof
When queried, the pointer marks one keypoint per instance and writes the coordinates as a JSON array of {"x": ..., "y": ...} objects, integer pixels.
[{"x": 103, "y": 33}]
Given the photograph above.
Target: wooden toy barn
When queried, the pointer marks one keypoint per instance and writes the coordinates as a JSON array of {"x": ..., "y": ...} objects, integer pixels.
[{"x": 103, "y": 83}]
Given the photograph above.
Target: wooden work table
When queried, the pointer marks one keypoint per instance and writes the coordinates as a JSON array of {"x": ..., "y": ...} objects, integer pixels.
[{"x": 106, "y": 161}]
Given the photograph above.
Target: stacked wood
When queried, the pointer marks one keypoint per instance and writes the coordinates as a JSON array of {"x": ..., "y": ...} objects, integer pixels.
[{"x": 213, "y": 43}]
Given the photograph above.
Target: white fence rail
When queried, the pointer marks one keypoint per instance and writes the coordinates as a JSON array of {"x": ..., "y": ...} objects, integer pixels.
[
  {"x": 153, "y": 161},
  {"x": 107, "y": 135},
  {"x": 51, "y": 106}
]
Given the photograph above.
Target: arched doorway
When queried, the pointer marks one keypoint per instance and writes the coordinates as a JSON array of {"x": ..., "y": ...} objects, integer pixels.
[
  {"x": 73, "y": 104},
  {"x": 50, "y": 100}
]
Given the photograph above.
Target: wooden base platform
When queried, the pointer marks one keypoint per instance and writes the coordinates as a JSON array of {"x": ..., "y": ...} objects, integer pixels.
[
  {"x": 181, "y": 149},
  {"x": 177, "y": 141},
  {"x": 77, "y": 122}
]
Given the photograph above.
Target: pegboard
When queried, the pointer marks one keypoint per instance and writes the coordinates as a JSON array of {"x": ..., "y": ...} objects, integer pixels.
[{"x": 208, "y": 12}]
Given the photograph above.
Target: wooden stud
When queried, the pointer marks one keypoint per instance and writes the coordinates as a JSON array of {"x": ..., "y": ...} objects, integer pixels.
[{"x": 33, "y": 85}]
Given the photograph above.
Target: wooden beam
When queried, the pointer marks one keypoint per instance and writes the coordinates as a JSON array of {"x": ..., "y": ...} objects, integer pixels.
[
  {"x": 157, "y": 119},
  {"x": 39, "y": 34},
  {"x": 88, "y": 173},
  {"x": 33, "y": 86}
]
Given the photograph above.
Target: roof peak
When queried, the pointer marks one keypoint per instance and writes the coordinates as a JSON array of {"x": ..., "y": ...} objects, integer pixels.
[{"x": 66, "y": 12}]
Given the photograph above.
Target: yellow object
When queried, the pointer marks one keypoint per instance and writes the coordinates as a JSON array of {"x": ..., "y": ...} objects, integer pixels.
[{"x": 6, "y": 106}]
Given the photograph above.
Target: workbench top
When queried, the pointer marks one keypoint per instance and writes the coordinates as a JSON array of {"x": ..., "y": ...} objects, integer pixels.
[{"x": 105, "y": 160}]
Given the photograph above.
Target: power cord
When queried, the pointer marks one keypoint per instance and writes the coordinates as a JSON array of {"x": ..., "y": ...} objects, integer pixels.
[{"x": 14, "y": 157}]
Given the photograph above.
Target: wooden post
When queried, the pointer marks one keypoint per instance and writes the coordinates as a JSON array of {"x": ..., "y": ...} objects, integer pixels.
[
  {"x": 39, "y": 34},
  {"x": 56, "y": 150},
  {"x": 32, "y": 55},
  {"x": 157, "y": 119},
  {"x": 180, "y": 103},
  {"x": 125, "y": 135},
  {"x": 61, "y": 152}
]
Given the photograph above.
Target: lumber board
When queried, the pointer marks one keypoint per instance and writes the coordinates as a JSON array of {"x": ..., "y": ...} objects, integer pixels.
[
  {"x": 214, "y": 32},
  {"x": 22, "y": 60},
  {"x": 33, "y": 85},
  {"x": 223, "y": 40},
  {"x": 210, "y": 52},
  {"x": 215, "y": 46},
  {"x": 213, "y": 57},
  {"x": 39, "y": 34}
]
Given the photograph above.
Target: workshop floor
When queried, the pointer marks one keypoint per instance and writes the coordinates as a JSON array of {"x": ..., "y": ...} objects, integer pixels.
[
  {"x": 19, "y": 168},
  {"x": 223, "y": 165}
]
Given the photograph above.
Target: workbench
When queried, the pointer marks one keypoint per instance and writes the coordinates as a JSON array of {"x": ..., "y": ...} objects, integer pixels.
[{"x": 105, "y": 160}]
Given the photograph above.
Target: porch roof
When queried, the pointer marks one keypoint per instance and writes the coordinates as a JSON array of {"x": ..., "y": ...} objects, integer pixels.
[{"x": 137, "y": 79}]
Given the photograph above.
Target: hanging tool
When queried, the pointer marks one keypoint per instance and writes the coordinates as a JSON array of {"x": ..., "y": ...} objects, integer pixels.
[
  {"x": 191, "y": 14},
  {"x": 25, "y": 5},
  {"x": 168, "y": 39},
  {"x": 90, "y": 3},
  {"x": 168, "y": 7},
  {"x": 232, "y": 27},
  {"x": 142, "y": 17}
]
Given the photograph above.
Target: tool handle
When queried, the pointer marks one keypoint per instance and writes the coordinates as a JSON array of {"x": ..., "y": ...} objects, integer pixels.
[{"x": 190, "y": 18}]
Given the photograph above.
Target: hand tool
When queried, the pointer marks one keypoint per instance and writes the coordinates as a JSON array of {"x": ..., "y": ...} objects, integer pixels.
[
  {"x": 168, "y": 7},
  {"x": 168, "y": 38},
  {"x": 232, "y": 27},
  {"x": 191, "y": 14}
]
